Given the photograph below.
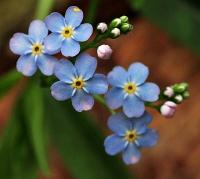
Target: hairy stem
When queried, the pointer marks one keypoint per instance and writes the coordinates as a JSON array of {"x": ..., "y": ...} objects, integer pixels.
[{"x": 101, "y": 100}]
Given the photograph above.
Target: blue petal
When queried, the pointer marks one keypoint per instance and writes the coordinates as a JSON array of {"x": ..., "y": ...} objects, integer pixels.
[
  {"x": 140, "y": 124},
  {"x": 86, "y": 66},
  {"x": 83, "y": 32},
  {"x": 55, "y": 22},
  {"x": 133, "y": 106},
  {"x": 20, "y": 44},
  {"x": 97, "y": 84},
  {"x": 117, "y": 77},
  {"x": 61, "y": 91},
  {"x": 119, "y": 124},
  {"x": 148, "y": 139},
  {"x": 26, "y": 65},
  {"x": 148, "y": 92},
  {"x": 73, "y": 16},
  {"x": 53, "y": 42},
  {"x": 114, "y": 98},
  {"x": 65, "y": 71},
  {"x": 70, "y": 48},
  {"x": 82, "y": 101},
  {"x": 138, "y": 73},
  {"x": 38, "y": 31},
  {"x": 131, "y": 154},
  {"x": 46, "y": 64},
  {"x": 114, "y": 144}
]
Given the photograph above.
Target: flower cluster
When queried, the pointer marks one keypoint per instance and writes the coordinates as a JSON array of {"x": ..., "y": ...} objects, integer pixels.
[
  {"x": 174, "y": 95},
  {"x": 36, "y": 48},
  {"x": 124, "y": 90}
]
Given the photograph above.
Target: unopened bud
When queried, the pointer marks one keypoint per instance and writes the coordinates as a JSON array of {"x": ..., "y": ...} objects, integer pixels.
[
  {"x": 168, "y": 109},
  {"x": 178, "y": 98},
  {"x": 186, "y": 94},
  {"x": 115, "y": 33},
  {"x": 102, "y": 27},
  {"x": 180, "y": 88},
  {"x": 125, "y": 27},
  {"x": 169, "y": 92},
  {"x": 116, "y": 22},
  {"x": 124, "y": 19},
  {"x": 104, "y": 52}
]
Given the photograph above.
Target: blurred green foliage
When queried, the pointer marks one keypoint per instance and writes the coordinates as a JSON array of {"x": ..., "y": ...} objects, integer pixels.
[
  {"x": 14, "y": 12},
  {"x": 33, "y": 109},
  {"x": 16, "y": 149},
  {"x": 8, "y": 81},
  {"x": 176, "y": 17},
  {"x": 80, "y": 143}
]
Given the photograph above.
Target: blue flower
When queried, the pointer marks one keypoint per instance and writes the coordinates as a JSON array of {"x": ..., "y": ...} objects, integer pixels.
[
  {"x": 67, "y": 32},
  {"x": 130, "y": 90},
  {"x": 130, "y": 134},
  {"x": 32, "y": 51},
  {"x": 78, "y": 82}
]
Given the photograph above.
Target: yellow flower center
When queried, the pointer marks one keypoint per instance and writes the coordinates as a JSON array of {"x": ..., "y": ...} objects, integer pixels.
[
  {"x": 131, "y": 135},
  {"x": 78, "y": 83},
  {"x": 130, "y": 88},
  {"x": 37, "y": 49},
  {"x": 76, "y": 9},
  {"x": 67, "y": 32}
]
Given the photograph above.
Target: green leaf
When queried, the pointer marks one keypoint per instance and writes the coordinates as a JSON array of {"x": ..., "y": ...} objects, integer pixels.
[
  {"x": 179, "y": 19},
  {"x": 8, "y": 81},
  {"x": 16, "y": 155},
  {"x": 33, "y": 111},
  {"x": 80, "y": 143},
  {"x": 43, "y": 8}
]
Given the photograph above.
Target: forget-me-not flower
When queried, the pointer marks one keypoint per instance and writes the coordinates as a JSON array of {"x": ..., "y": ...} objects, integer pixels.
[
  {"x": 32, "y": 50},
  {"x": 130, "y": 90},
  {"x": 130, "y": 134},
  {"x": 67, "y": 31},
  {"x": 78, "y": 82}
]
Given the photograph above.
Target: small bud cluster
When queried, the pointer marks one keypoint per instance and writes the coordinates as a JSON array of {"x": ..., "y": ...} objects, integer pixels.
[
  {"x": 117, "y": 27},
  {"x": 175, "y": 94}
]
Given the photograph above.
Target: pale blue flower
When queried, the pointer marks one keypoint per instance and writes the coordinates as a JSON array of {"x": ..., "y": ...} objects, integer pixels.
[
  {"x": 78, "y": 82},
  {"x": 67, "y": 32},
  {"x": 32, "y": 51},
  {"x": 130, "y": 135},
  {"x": 130, "y": 90}
]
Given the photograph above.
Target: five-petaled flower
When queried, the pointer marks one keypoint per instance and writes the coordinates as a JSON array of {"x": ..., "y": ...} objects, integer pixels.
[
  {"x": 78, "y": 82},
  {"x": 130, "y": 134},
  {"x": 32, "y": 50},
  {"x": 130, "y": 90},
  {"x": 67, "y": 32}
]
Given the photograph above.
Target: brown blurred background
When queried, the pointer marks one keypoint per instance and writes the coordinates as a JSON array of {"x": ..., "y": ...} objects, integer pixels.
[{"x": 177, "y": 155}]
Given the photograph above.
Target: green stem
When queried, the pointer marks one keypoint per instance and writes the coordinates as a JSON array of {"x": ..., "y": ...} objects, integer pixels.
[
  {"x": 101, "y": 100},
  {"x": 43, "y": 8},
  {"x": 157, "y": 107},
  {"x": 94, "y": 43},
  {"x": 93, "y": 6}
]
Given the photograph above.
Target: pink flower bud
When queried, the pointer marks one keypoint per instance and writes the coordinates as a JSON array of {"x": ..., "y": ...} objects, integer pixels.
[
  {"x": 104, "y": 52},
  {"x": 168, "y": 109},
  {"x": 102, "y": 27}
]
